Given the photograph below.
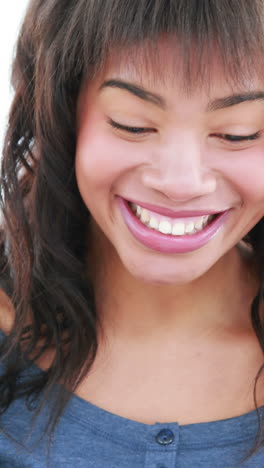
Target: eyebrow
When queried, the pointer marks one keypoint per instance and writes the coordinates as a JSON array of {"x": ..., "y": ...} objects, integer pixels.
[
  {"x": 138, "y": 91},
  {"x": 234, "y": 99},
  {"x": 159, "y": 101}
]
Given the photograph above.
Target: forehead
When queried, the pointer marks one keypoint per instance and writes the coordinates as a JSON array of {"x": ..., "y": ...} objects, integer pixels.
[{"x": 162, "y": 67}]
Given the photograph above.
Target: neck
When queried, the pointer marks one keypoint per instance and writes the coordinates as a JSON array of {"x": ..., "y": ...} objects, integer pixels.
[{"x": 218, "y": 301}]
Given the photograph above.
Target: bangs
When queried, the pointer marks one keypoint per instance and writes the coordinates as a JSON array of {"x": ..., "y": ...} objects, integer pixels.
[{"x": 198, "y": 30}]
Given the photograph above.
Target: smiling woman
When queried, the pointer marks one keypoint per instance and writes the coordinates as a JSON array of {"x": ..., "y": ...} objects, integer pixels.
[{"x": 132, "y": 256}]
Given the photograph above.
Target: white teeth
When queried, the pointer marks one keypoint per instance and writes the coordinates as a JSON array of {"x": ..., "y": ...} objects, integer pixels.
[
  {"x": 178, "y": 229},
  {"x": 199, "y": 224},
  {"x": 139, "y": 210},
  {"x": 153, "y": 223},
  {"x": 206, "y": 219},
  {"x": 189, "y": 228},
  {"x": 165, "y": 227},
  {"x": 145, "y": 216}
]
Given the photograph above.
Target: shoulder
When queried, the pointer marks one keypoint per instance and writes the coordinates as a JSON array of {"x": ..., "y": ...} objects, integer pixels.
[{"x": 7, "y": 313}]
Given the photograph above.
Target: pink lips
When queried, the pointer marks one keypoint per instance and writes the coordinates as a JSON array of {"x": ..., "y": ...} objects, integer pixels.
[
  {"x": 172, "y": 214},
  {"x": 155, "y": 240}
]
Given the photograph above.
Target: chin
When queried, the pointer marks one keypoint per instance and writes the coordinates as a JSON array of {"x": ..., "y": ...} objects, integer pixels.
[{"x": 162, "y": 276}]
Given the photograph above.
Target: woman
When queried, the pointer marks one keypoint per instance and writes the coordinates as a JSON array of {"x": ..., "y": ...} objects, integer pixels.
[{"x": 132, "y": 251}]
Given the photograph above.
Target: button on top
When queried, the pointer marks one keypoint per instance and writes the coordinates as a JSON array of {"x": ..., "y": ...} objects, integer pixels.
[{"x": 165, "y": 437}]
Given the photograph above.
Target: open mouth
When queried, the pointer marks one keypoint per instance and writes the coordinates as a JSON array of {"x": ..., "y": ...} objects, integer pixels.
[
  {"x": 169, "y": 226},
  {"x": 167, "y": 234}
]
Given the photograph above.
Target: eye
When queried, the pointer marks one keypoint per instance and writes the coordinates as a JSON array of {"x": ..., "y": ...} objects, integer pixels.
[
  {"x": 134, "y": 130},
  {"x": 237, "y": 138}
]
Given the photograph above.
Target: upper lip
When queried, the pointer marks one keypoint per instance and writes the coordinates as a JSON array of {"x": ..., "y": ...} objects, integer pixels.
[{"x": 172, "y": 213}]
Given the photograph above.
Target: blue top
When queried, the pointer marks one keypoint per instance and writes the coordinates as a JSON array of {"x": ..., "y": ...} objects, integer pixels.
[{"x": 90, "y": 437}]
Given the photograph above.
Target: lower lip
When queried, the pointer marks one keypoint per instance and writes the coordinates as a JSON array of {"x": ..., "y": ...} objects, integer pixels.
[{"x": 155, "y": 240}]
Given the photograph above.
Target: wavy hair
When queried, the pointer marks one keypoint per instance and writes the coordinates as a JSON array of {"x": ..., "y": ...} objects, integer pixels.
[{"x": 43, "y": 242}]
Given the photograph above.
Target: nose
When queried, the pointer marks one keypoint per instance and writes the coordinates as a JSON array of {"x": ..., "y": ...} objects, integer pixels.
[{"x": 179, "y": 172}]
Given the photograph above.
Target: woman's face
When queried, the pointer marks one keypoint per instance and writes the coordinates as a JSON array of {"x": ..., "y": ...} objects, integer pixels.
[{"x": 192, "y": 165}]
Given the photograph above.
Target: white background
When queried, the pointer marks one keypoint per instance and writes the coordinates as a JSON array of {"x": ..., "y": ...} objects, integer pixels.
[{"x": 11, "y": 15}]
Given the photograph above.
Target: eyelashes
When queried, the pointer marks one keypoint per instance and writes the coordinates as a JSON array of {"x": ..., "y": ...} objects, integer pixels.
[
  {"x": 145, "y": 130},
  {"x": 135, "y": 130},
  {"x": 237, "y": 138}
]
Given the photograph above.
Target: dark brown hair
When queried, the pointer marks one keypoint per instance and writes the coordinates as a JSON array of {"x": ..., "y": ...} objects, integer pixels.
[{"x": 43, "y": 241}]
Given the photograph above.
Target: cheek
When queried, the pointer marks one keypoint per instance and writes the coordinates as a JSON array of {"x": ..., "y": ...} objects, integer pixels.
[
  {"x": 250, "y": 175},
  {"x": 245, "y": 171},
  {"x": 96, "y": 161},
  {"x": 102, "y": 157}
]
